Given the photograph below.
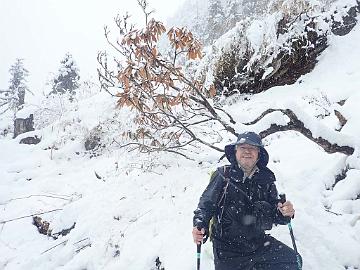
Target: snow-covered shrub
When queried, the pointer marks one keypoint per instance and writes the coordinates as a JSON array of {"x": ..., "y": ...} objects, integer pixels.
[
  {"x": 6, "y": 124},
  {"x": 53, "y": 107}
]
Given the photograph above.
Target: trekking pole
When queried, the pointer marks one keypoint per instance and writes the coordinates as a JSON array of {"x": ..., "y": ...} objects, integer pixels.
[
  {"x": 298, "y": 258},
  {"x": 198, "y": 250},
  {"x": 198, "y": 253}
]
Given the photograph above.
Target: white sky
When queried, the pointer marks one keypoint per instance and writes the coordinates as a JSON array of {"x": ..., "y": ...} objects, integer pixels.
[{"x": 42, "y": 31}]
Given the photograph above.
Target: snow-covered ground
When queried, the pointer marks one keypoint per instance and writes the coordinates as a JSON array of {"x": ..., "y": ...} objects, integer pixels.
[{"x": 141, "y": 208}]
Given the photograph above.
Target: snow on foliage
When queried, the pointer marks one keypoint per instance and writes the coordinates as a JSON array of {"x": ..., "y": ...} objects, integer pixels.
[
  {"x": 67, "y": 78},
  {"x": 13, "y": 98},
  {"x": 256, "y": 46}
]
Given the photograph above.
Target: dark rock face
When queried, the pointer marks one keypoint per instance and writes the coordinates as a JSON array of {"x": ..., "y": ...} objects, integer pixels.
[
  {"x": 22, "y": 125},
  {"x": 92, "y": 142},
  {"x": 349, "y": 21},
  {"x": 291, "y": 62},
  {"x": 296, "y": 57}
]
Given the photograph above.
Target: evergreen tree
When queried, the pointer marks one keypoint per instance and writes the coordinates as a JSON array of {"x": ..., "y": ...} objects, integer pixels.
[
  {"x": 254, "y": 8},
  {"x": 198, "y": 27},
  {"x": 233, "y": 13},
  {"x": 14, "y": 97},
  {"x": 215, "y": 21},
  {"x": 67, "y": 79}
]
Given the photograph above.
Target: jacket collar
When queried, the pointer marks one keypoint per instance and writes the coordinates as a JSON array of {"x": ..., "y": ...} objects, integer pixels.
[{"x": 260, "y": 175}]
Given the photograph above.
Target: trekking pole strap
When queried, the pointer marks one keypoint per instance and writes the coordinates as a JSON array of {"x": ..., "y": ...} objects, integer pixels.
[{"x": 292, "y": 237}]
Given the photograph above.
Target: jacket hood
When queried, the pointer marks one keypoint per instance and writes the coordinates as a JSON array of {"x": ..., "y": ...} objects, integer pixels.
[{"x": 248, "y": 138}]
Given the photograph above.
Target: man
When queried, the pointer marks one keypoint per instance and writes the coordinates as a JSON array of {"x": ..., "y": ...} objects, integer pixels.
[{"x": 243, "y": 200}]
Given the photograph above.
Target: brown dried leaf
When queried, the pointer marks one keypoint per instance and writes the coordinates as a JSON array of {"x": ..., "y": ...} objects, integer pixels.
[
  {"x": 126, "y": 84},
  {"x": 142, "y": 73},
  {"x": 212, "y": 91},
  {"x": 154, "y": 51}
]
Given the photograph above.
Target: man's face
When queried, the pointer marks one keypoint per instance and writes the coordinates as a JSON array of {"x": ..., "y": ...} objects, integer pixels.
[{"x": 247, "y": 155}]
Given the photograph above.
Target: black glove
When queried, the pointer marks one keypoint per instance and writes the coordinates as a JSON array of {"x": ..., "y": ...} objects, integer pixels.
[{"x": 200, "y": 226}]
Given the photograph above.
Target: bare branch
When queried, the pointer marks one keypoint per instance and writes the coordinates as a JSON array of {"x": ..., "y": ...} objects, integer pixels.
[
  {"x": 61, "y": 243},
  {"x": 148, "y": 149},
  {"x": 144, "y": 4},
  {"x": 232, "y": 121},
  {"x": 32, "y": 215},
  {"x": 36, "y": 195}
]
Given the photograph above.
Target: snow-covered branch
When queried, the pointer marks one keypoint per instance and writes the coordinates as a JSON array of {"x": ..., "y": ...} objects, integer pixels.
[{"x": 296, "y": 124}]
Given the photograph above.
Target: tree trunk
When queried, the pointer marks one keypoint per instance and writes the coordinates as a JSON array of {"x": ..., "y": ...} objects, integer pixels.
[{"x": 22, "y": 125}]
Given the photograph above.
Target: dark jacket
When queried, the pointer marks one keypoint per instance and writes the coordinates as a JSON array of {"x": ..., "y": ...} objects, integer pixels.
[{"x": 243, "y": 208}]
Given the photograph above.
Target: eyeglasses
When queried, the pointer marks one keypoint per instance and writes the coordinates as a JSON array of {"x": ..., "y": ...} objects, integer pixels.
[{"x": 248, "y": 148}]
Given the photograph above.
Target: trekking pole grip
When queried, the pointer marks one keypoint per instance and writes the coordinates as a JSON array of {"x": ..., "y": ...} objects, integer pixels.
[{"x": 282, "y": 197}]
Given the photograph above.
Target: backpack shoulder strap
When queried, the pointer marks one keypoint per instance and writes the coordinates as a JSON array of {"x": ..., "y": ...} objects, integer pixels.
[
  {"x": 226, "y": 170},
  {"x": 226, "y": 173}
]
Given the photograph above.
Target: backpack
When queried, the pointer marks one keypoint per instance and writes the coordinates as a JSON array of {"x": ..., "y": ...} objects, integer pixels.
[{"x": 220, "y": 204}]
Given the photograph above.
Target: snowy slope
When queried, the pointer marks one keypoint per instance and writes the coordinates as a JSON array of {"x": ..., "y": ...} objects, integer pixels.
[{"x": 141, "y": 208}]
